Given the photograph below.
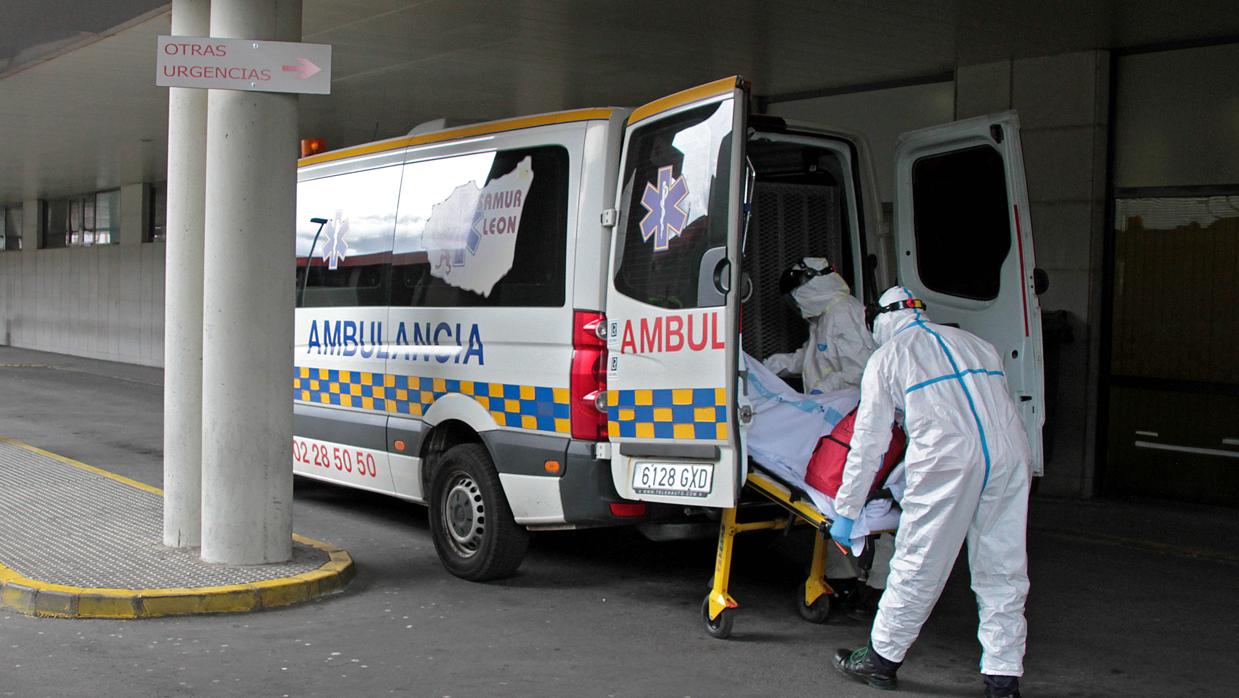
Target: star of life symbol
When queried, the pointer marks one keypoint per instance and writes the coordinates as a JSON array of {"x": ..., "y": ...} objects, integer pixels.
[
  {"x": 665, "y": 216},
  {"x": 336, "y": 248}
]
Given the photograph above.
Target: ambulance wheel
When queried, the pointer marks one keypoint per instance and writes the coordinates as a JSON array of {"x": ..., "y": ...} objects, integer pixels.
[
  {"x": 719, "y": 628},
  {"x": 818, "y": 611},
  {"x": 470, "y": 520}
]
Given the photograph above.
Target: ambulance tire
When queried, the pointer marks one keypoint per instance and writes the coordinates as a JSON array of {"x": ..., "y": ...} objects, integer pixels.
[
  {"x": 818, "y": 611},
  {"x": 470, "y": 520},
  {"x": 719, "y": 628}
]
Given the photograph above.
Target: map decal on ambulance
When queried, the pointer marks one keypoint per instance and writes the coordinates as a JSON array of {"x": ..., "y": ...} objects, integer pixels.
[
  {"x": 470, "y": 237},
  {"x": 665, "y": 215}
]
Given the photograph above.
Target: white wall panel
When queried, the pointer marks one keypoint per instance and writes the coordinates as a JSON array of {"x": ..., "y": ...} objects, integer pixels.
[{"x": 101, "y": 302}]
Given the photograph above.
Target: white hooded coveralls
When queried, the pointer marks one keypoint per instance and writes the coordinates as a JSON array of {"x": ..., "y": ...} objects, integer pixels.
[
  {"x": 832, "y": 359},
  {"x": 839, "y": 343},
  {"x": 967, "y": 479}
]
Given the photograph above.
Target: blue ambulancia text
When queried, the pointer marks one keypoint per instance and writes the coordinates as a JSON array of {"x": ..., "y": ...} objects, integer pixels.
[{"x": 442, "y": 342}]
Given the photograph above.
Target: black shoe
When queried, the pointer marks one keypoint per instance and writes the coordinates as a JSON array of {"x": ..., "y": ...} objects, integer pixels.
[
  {"x": 1001, "y": 686},
  {"x": 862, "y": 605},
  {"x": 867, "y": 666}
]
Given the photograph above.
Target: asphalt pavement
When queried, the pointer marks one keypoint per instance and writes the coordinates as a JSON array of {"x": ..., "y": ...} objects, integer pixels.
[{"x": 1128, "y": 598}]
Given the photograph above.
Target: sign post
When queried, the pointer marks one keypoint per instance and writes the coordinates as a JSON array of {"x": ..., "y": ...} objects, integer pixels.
[{"x": 243, "y": 64}]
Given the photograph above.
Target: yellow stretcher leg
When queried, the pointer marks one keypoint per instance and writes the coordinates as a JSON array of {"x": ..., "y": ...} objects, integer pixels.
[
  {"x": 815, "y": 587},
  {"x": 719, "y": 598}
]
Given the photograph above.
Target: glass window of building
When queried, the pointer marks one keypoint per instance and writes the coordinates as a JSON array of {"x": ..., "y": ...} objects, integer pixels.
[
  {"x": 157, "y": 228},
  {"x": 11, "y": 227},
  {"x": 83, "y": 220},
  {"x": 106, "y": 217}
]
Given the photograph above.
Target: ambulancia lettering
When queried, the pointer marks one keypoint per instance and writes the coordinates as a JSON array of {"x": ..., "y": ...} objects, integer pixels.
[{"x": 443, "y": 342}]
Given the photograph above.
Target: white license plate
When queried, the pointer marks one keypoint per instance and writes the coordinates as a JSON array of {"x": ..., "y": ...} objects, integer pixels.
[{"x": 673, "y": 479}]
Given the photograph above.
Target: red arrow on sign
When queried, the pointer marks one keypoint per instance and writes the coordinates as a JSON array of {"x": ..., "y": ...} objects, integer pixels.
[{"x": 306, "y": 69}]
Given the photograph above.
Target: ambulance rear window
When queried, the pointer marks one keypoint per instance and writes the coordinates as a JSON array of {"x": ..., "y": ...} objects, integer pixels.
[
  {"x": 675, "y": 207},
  {"x": 962, "y": 221}
]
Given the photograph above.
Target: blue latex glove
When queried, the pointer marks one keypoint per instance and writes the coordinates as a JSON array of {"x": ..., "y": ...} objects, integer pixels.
[{"x": 841, "y": 531}]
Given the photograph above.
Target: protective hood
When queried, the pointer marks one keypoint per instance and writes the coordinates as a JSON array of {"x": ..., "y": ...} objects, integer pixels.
[
  {"x": 817, "y": 295},
  {"x": 888, "y": 324}
]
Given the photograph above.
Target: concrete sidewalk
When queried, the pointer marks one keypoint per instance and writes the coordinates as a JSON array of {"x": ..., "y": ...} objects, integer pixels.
[{"x": 80, "y": 542}]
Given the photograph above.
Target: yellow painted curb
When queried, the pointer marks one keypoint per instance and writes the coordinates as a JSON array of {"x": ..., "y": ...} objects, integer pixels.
[{"x": 37, "y": 598}]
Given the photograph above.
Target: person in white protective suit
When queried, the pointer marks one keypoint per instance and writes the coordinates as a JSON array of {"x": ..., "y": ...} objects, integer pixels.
[
  {"x": 839, "y": 345},
  {"x": 833, "y": 359},
  {"x": 968, "y": 479}
]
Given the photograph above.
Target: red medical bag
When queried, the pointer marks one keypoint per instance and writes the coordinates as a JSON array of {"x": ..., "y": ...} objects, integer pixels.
[{"x": 825, "y": 471}]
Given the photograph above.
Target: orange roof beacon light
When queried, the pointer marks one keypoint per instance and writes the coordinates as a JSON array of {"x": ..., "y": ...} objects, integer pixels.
[{"x": 312, "y": 146}]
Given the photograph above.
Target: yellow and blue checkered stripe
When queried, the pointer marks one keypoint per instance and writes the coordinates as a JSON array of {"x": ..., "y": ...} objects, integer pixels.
[
  {"x": 676, "y": 413},
  {"x": 522, "y": 406}
]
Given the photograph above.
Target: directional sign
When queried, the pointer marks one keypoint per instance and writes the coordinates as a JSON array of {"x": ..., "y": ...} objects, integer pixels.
[{"x": 243, "y": 64}]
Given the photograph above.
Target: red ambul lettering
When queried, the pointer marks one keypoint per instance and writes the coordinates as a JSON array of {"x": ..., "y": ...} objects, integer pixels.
[{"x": 693, "y": 331}]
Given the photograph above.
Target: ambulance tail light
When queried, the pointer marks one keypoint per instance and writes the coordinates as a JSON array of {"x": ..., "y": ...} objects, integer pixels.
[
  {"x": 589, "y": 376},
  {"x": 627, "y": 510}
]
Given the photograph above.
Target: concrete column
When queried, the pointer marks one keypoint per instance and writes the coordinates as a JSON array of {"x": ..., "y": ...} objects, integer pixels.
[
  {"x": 32, "y": 223},
  {"x": 1063, "y": 103},
  {"x": 135, "y": 198},
  {"x": 182, "y": 387},
  {"x": 247, "y": 359}
]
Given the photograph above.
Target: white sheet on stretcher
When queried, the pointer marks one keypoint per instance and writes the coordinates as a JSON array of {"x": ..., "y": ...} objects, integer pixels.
[{"x": 785, "y": 429}]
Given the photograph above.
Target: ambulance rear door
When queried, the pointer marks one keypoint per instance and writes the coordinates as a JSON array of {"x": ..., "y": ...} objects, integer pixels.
[
  {"x": 964, "y": 245},
  {"x": 672, "y": 308}
]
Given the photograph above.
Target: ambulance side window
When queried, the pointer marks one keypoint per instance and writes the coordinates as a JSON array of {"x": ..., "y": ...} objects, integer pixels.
[
  {"x": 674, "y": 205},
  {"x": 962, "y": 222},
  {"x": 487, "y": 229},
  {"x": 350, "y": 262}
]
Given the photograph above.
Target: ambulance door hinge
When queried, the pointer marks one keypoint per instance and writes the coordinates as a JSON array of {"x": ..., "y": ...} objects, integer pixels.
[
  {"x": 746, "y": 414},
  {"x": 610, "y": 217},
  {"x": 602, "y": 450}
]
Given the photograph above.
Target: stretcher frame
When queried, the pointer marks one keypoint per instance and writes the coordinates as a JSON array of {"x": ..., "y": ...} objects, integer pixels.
[{"x": 718, "y": 610}]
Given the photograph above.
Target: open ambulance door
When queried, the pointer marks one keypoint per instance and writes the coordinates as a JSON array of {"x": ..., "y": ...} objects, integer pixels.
[
  {"x": 673, "y": 406},
  {"x": 964, "y": 243}
]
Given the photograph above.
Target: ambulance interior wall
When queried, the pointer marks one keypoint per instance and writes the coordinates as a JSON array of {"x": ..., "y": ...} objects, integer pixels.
[
  {"x": 1063, "y": 106},
  {"x": 103, "y": 302}
]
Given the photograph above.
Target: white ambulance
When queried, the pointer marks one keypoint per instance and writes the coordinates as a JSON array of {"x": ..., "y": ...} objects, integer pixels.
[{"x": 535, "y": 323}]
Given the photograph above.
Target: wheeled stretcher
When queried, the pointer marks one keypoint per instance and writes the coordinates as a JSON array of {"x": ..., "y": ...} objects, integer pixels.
[
  {"x": 787, "y": 426},
  {"x": 778, "y": 506}
]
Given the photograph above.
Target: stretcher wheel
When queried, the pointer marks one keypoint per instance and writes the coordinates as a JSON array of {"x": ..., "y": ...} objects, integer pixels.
[
  {"x": 815, "y": 613},
  {"x": 719, "y": 628}
]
